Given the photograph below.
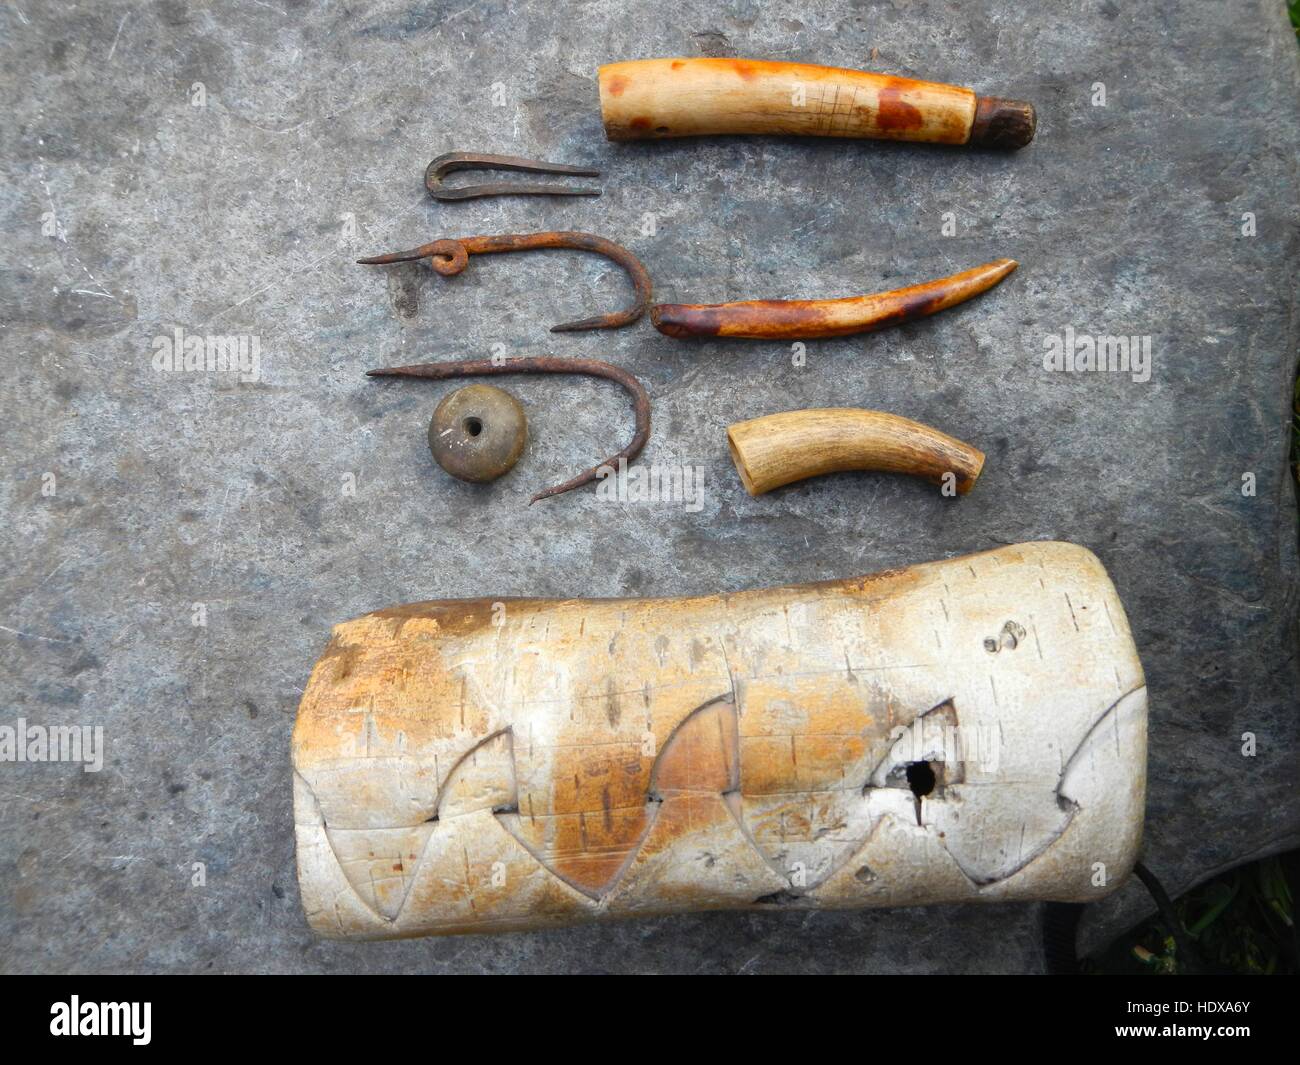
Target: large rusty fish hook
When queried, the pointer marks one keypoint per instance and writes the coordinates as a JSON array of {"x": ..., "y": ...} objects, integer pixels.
[
  {"x": 449, "y": 257},
  {"x": 441, "y": 371}
]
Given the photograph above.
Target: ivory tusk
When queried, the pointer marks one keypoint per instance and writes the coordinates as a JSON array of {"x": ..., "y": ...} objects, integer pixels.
[
  {"x": 814, "y": 319},
  {"x": 782, "y": 448},
  {"x": 653, "y": 98}
]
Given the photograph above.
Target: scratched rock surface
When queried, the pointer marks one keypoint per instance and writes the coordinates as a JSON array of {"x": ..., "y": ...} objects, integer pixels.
[{"x": 178, "y": 544}]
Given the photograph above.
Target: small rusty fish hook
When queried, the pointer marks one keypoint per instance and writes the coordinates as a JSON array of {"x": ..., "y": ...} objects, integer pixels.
[
  {"x": 449, "y": 257},
  {"x": 441, "y": 371},
  {"x": 453, "y": 161}
]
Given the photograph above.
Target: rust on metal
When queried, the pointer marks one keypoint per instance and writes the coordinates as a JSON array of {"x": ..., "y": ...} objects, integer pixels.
[
  {"x": 814, "y": 319},
  {"x": 453, "y": 161},
  {"x": 449, "y": 257},
  {"x": 441, "y": 371}
]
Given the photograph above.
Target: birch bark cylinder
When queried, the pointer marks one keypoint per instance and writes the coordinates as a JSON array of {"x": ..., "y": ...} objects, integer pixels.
[{"x": 967, "y": 730}]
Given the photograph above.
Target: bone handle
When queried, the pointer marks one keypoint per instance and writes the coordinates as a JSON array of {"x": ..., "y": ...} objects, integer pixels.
[
  {"x": 652, "y": 98},
  {"x": 781, "y": 448},
  {"x": 967, "y": 730}
]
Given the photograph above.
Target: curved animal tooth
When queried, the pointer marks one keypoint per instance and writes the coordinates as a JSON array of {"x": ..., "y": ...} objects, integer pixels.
[{"x": 815, "y": 319}]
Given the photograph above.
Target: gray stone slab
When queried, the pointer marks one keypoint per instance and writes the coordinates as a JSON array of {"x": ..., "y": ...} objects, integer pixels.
[{"x": 128, "y": 211}]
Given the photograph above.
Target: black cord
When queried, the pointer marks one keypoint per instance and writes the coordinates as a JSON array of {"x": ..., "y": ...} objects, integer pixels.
[{"x": 1189, "y": 961}]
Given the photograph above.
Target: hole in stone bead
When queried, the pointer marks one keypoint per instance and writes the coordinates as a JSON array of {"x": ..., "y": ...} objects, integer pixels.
[
  {"x": 920, "y": 778},
  {"x": 473, "y": 426}
]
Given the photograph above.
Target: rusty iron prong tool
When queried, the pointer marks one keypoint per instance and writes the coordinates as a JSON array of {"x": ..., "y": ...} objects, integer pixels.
[
  {"x": 450, "y": 257},
  {"x": 442, "y": 371},
  {"x": 453, "y": 161}
]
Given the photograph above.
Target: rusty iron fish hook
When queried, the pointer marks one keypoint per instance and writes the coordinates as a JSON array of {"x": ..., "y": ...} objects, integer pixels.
[
  {"x": 453, "y": 161},
  {"x": 441, "y": 371},
  {"x": 449, "y": 257}
]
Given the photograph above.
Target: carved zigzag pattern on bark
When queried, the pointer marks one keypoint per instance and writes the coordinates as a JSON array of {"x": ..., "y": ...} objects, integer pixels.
[{"x": 701, "y": 757}]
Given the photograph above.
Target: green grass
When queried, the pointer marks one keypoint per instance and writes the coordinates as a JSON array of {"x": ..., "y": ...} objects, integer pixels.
[{"x": 1240, "y": 922}]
